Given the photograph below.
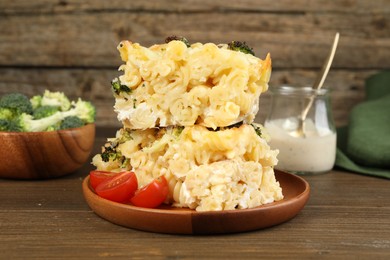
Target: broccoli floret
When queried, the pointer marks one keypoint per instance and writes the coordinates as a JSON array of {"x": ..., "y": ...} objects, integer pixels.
[
  {"x": 240, "y": 46},
  {"x": 177, "y": 38},
  {"x": 6, "y": 114},
  {"x": 14, "y": 104},
  {"x": 110, "y": 151},
  {"x": 81, "y": 109},
  {"x": 71, "y": 122},
  {"x": 36, "y": 101},
  {"x": 55, "y": 99},
  {"x": 9, "y": 126},
  {"x": 44, "y": 111},
  {"x": 4, "y": 125},
  {"x": 118, "y": 87},
  {"x": 27, "y": 122},
  {"x": 54, "y": 127}
]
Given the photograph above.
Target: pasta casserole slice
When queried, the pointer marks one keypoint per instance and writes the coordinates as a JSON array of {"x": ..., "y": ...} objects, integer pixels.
[
  {"x": 222, "y": 169},
  {"x": 184, "y": 85}
]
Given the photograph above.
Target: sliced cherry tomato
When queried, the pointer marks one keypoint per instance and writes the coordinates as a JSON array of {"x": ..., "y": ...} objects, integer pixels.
[
  {"x": 97, "y": 177},
  {"x": 119, "y": 188},
  {"x": 151, "y": 195}
]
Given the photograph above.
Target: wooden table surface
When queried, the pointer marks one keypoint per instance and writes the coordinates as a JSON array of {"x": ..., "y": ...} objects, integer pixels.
[{"x": 347, "y": 216}]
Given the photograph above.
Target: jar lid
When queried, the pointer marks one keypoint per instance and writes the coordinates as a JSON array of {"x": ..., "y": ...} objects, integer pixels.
[{"x": 298, "y": 91}]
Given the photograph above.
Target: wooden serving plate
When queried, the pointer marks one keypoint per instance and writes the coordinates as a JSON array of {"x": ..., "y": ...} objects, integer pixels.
[{"x": 166, "y": 219}]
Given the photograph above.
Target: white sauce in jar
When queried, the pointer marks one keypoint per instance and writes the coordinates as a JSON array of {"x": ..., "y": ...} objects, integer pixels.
[{"x": 311, "y": 154}]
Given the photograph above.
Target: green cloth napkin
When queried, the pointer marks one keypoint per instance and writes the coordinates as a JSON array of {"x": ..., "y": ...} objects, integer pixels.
[{"x": 364, "y": 145}]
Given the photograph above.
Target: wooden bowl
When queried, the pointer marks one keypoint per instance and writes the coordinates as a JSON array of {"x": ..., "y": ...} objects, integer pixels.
[{"x": 43, "y": 155}]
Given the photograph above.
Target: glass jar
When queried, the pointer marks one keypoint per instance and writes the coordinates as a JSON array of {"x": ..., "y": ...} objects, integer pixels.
[{"x": 314, "y": 151}]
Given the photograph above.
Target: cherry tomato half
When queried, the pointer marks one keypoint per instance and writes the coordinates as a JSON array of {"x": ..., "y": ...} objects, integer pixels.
[
  {"x": 119, "y": 188},
  {"x": 97, "y": 177},
  {"x": 151, "y": 195}
]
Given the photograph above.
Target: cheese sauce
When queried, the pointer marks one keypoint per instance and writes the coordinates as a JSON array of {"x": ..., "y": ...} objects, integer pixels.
[{"x": 314, "y": 153}]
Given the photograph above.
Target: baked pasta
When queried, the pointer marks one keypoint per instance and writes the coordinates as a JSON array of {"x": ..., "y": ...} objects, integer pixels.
[
  {"x": 174, "y": 84},
  {"x": 222, "y": 169}
]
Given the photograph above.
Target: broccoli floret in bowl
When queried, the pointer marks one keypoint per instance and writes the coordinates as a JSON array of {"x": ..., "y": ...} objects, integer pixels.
[
  {"x": 53, "y": 99},
  {"x": 44, "y": 111},
  {"x": 14, "y": 104},
  {"x": 6, "y": 113},
  {"x": 84, "y": 110},
  {"x": 47, "y": 112},
  {"x": 9, "y": 126},
  {"x": 71, "y": 122}
]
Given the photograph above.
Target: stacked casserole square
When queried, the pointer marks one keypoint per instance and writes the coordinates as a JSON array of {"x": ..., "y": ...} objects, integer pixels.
[{"x": 187, "y": 113}]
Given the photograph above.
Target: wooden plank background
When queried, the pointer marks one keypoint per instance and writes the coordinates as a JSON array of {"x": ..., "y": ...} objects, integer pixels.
[{"x": 70, "y": 45}]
